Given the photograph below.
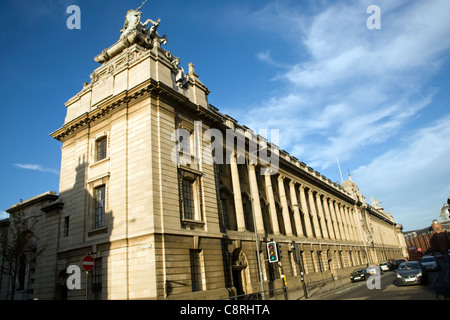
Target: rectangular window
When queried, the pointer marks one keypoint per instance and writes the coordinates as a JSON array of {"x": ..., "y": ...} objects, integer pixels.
[
  {"x": 304, "y": 266},
  {"x": 196, "y": 270},
  {"x": 224, "y": 213},
  {"x": 100, "y": 204},
  {"x": 96, "y": 280},
  {"x": 341, "y": 262},
  {"x": 190, "y": 192},
  {"x": 66, "y": 226},
  {"x": 319, "y": 261},
  {"x": 188, "y": 199},
  {"x": 101, "y": 148}
]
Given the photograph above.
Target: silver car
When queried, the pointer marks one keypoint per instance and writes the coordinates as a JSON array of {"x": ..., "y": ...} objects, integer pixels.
[
  {"x": 411, "y": 272},
  {"x": 429, "y": 263}
]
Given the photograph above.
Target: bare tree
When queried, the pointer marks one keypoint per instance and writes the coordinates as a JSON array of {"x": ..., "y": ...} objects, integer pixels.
[{"x": 19, "y": 248}]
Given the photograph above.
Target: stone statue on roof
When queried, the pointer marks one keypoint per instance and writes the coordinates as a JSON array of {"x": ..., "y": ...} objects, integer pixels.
[
  {"x": 134, "y": 32},
  {"x": 376, "y": 203},
  {"x": 133, "y": 23}
]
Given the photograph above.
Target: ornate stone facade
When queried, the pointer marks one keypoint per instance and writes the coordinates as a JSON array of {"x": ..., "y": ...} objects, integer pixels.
[{"x": 165, "y": 229}]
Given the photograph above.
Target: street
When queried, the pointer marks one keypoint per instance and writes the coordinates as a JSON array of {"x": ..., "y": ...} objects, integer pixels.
[{"x": 438, "y": 287}]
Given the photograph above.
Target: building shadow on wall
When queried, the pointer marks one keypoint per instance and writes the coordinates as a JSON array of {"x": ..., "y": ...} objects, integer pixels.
[{"x": 85, "y": 225}]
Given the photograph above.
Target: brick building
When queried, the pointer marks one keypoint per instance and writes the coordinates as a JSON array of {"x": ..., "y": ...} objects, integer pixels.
[{"x": 432, "y": 239}]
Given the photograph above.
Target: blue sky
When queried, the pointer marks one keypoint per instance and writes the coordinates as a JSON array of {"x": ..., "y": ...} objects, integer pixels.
[{"x": 377, "y": 100}]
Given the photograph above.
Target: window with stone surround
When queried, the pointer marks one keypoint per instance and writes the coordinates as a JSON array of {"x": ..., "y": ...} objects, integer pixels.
[
  {"x": 190, "y": 189},
  {"x": 196, "y": 270},
  {"x": 96, "y": 280},
  {"x": 66, "y": 226},
  {"x": 101, "y": 148},
  {"x": 100, "y": 206}
]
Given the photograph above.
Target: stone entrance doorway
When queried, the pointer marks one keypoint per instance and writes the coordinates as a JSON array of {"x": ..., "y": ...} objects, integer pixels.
[{"x": 240, "y": 271}]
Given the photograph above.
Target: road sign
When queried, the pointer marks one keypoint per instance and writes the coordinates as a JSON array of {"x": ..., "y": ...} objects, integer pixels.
[{"x": 87, "y": 263}]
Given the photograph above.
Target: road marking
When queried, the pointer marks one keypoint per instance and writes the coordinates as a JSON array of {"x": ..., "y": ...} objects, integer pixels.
[{"x": 391, "y": 287}]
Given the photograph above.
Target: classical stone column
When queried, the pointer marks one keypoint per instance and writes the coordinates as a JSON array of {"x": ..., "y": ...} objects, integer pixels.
[
  {"x": 341, "y": 223},
  {"x": 240, "y": 218},
  {"x": 285, "y": 208},
  {"x": 355, "y": 225},
  {"x": 357, "y": 218},
  {"x": 272, "y": 207},
  {"x": 344, "y": 222},
  {"x": 315, "y": 219},
  {"x": 321, "y": 216},
  {"x": 294, "y": 202},
  {"x": 306, "y": 215},
  {"x": 349, "y": 223},
  {"x": 352, "y": 222},
  {"x": 328, "y": 218},
  {"x": 337, "y": 233},
  {"x": 255, "y": 198}
]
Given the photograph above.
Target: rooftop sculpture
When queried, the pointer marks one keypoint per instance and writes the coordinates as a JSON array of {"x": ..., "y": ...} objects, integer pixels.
[{"x": 133, "y": 32}]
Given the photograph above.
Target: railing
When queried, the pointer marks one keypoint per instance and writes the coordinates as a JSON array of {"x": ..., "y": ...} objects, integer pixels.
[
  {"x": 325, "y": 285},
  {"x": 271, "y": 294},
  {"x": 312, "y": 288}
]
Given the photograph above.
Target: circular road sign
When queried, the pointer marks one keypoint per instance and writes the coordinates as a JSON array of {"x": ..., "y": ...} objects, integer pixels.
[{"x": 87, "y": 263}]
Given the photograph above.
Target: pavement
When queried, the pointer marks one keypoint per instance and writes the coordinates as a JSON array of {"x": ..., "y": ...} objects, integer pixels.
[{"x": 314, "y": 292}]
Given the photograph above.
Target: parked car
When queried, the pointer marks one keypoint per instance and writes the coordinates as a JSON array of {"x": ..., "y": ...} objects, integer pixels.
[
  {"x": 384, "y": 266},
  {"x": 399, "y": 261},
  {"x": 358, "y": 275},
  {"x": 393, "y": 264},
  {"x": 429, "y": 263},
  {"x": 438, "y": 255},
  {"x": 411, "y": 272}
]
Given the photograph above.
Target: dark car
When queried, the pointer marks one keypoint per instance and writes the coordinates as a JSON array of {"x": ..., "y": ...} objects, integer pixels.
[
  {"x": 358, "y": 275},
  {"x": 411, "y": 272},
  {"x": 399, "y": 261},
  {"x": 393, "y": 264},
  {"x": 430, "y": 263}
]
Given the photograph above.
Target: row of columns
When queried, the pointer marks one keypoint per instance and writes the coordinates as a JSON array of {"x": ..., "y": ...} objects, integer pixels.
[{"x": 324, "y": 217}]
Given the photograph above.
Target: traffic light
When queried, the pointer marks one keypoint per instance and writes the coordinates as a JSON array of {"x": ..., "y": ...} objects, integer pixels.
[{"x": 272, "y": 251}]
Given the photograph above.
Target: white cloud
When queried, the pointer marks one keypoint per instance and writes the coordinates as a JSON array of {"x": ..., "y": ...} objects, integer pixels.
[
  {"x": 359, "y": 90},
  {"x": 35, "y": 167},
  {"x": 412, "y": 180},
  {"x": 358, "y": 87}
]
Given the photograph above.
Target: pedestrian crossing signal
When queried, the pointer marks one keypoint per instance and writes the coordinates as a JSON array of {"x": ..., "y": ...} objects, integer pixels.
[{"x": 272, "y": 251}]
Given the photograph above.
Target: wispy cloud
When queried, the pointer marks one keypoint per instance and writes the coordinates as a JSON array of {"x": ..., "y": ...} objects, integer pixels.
[
  {"x": 36, "y": 167},
  {"x": 265, "y": 56},
  {"x": 412, "y": 179},
  {"x": 357, "y": 87},
  {"x": 365, "y": 96}
]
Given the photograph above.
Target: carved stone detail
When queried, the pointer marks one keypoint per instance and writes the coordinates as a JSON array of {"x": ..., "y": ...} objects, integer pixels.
[{"x": 134, "y": 32}]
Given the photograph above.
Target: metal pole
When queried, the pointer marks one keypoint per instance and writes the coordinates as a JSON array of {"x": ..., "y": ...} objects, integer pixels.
[
  {"x": 283, "y": 276},
  {"x": 298, "y": 260},
  {"x": 87, "y": 283}
]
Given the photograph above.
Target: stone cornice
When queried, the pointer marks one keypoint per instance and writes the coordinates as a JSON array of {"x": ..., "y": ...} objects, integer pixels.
[
  {"x": 379, "y": 215},
  {"x": 148, "y": 88},
  {"x": 314, "y": 179},
  {"x": 49, "y": 196}
]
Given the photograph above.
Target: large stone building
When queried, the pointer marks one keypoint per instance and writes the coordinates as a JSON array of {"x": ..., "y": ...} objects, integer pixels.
[{"x": 139, "y": 191}]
